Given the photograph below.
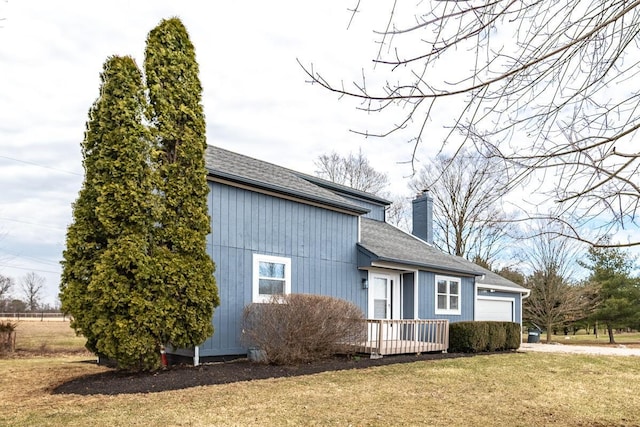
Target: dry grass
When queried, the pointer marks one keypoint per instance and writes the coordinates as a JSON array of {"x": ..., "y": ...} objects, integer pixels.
[
  {"x": 511, "y": 389},
  {"x": 47, "y": 338},
  {"x": 629, "y": 339}
]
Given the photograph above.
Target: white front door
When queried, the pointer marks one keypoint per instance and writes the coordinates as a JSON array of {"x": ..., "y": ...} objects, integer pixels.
[
  {"x": 384, "y": 301},
  {"x": 380, "y": 297}
]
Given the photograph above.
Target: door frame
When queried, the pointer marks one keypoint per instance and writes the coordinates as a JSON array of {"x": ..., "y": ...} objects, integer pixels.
[{"x": 394, "y": 307}]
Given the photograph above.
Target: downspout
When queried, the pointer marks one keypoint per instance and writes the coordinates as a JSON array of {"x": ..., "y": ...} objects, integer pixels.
[
  {"x": 416, "y": 301},
  {"x": 524, "y": 295},
  {"x": 475, "y": 298},
  {"x": 196, "y": 356}
]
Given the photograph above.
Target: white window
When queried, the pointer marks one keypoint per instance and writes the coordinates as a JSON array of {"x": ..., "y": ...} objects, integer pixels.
[
  {"x": 447, "y": 295},
  {"x": 271, "y": 276}
]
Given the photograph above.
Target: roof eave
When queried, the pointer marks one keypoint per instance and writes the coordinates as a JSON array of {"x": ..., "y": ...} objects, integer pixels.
[
  {"x": 426, "y": 266},
  {"x": 343, "y": 188},
  {"x": 519, "y": 289},
  {"x": 357, "y": 210}
]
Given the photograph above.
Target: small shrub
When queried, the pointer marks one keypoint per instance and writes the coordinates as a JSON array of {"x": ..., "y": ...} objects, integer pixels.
[
  {"x": 497, "y": 336},
  {"x": 466, "y": 337},
  {"x": 299, "y": 328},
  {"x": 476, "y": 337},
  {"x": 7, "y": 336},
  {"x": 514, "y": 335}
]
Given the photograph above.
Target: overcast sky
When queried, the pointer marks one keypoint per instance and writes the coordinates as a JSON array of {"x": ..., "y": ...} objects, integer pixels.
[{"x": 255, "y": 97}]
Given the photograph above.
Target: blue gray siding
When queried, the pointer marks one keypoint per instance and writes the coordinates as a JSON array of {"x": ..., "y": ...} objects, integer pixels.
[
  {"x": 407, "y": 296},
  {"x": 376, "y": 210},
  {"x": 423, "y": 217},
  {"x": 427, "y": 296},
  {"x": 319, "y": 242}
]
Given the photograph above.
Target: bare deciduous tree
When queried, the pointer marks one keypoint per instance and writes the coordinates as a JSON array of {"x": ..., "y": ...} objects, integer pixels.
[
  {"x": 398, "y": 212},
  {"x": 32, "y": 286},
  {"x": 548, "y": 86},
  {"x": 469, "y": 219},
  {"x": 354, "y": 171},
  {"x": 554, "y": 299},
  {"x": 6, "y": 283}
]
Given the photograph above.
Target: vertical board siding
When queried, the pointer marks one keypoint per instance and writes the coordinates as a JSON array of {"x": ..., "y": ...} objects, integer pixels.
[
  {"x": 376, "y": 210},
  {"x": 407, "y": 296},
  {"x": 320, "y": 243},
  {"x": 427, "y": 298}
]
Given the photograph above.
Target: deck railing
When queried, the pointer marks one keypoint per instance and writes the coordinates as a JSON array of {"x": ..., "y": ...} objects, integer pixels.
[{"x": 404, "y": 336}]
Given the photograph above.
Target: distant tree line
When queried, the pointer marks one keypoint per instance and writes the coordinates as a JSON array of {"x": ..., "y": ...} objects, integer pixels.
[
  {"x": 609, "y": 297},
  {"x": 24, "y": 296}
]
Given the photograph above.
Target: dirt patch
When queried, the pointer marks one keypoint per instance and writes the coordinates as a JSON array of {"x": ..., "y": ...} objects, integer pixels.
[{"x": 181, "y": 377}]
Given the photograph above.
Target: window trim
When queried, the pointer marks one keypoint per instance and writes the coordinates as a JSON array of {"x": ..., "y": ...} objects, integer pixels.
[
  {"x": 448, "y": 310},
  {"x": 257, "y": 258}
]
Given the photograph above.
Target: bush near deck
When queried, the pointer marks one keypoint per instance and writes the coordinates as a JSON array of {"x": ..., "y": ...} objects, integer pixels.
[
  {"x": 477, "y": 337},
  {"x": 301, "y": 328}
]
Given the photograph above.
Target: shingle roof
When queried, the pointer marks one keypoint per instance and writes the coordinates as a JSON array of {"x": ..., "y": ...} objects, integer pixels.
[
  {"x": 243, "y": 169},
  {"x": 388, "y": 243},
  {"x": 344, "y": 189},
  {"x": 489, "y": 278}
]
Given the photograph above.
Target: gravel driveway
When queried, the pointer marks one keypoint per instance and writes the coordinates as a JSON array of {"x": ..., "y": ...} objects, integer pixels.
[{"x": 580, "y": 349}]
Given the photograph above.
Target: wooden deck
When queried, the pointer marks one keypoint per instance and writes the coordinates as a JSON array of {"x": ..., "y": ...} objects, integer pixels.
[{"x": 385, "y": 337}]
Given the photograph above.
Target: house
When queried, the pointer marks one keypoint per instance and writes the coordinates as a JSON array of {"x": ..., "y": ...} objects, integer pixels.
[{"x": 276, "y": 230}]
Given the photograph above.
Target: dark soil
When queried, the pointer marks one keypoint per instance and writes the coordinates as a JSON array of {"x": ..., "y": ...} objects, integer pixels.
[{"x": 181, "y": 376}]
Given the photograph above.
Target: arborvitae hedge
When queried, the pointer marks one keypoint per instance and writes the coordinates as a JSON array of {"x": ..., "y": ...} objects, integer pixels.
[
  {"x": 477, "y": 337},
  {"x": 182, "y": 224},
  {"x": 136, "y": 273},
  {"x": 106, "y": 262}
]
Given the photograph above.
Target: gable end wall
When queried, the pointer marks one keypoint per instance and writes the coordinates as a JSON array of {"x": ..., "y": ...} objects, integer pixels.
[{"x": 320, "y": 243}]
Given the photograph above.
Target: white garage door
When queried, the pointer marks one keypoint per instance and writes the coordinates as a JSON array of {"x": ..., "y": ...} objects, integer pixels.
[{"x": 495, "y": 309}]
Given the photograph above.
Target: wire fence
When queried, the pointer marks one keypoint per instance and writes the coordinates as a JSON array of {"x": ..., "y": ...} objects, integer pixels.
[{"x": 34, "y": 315}]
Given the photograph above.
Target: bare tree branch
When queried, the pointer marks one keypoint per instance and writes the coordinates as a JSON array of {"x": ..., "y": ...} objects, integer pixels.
[
  {"x": 469, "y": 219},
  {"x": 353, "y": 171},
  {"x": 545, "y": 85},
  {"x": 32, "y": 286}
]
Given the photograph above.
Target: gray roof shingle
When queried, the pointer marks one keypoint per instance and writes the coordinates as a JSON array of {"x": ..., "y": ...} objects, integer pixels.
[
  {"x": 257, "y": 173},
  {"x": 388, "y": 243}
]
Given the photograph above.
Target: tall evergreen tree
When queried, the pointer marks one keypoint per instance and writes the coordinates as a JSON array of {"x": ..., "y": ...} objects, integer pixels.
[
  {"x": 619, "y": 292},
  {"x": 86, "y": 237},
  {"x": 178, "y": 127},
  {"x": 107, "y": 264}
]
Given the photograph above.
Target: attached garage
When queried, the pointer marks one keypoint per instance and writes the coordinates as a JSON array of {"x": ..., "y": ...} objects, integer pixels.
[{"x": 495, "y": 308}]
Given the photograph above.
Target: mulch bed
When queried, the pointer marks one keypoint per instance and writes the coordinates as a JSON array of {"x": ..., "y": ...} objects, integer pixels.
[{"x": 182, "y": 376}]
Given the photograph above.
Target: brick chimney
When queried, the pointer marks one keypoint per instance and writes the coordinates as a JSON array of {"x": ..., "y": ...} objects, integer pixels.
[{"x": 423, "y": 216}]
